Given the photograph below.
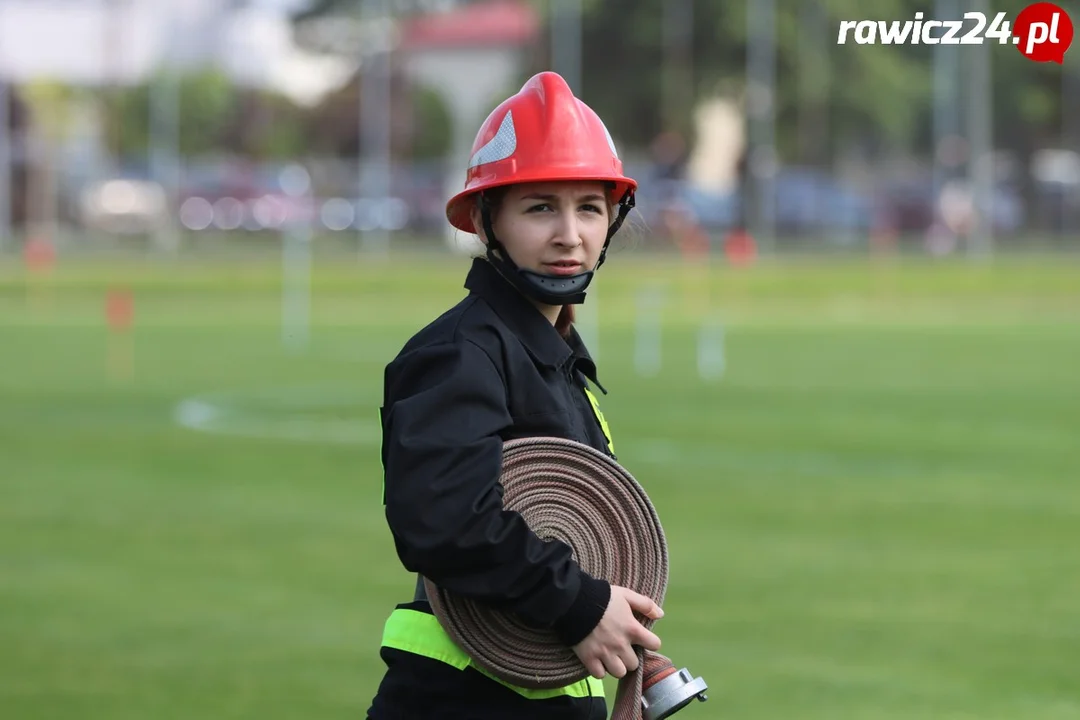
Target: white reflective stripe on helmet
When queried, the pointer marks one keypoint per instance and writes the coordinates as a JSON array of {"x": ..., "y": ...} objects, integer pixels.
[{"x": 499, "y": 147}]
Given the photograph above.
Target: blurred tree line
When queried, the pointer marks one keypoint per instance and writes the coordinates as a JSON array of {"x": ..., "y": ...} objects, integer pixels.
[
  {"x": 879, "y": 97},
  {"x": 645, "y": 74},
  {"x": 216, "y": 115},
  {"x": 645, "y": 77}
]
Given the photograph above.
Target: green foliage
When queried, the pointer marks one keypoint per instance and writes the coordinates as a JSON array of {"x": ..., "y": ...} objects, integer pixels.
[
  {"x": 205, "y": 103},
  {"x": 433, "y": 125},
  {"x": 881, "y": 94},
  {"x": 48, "y": 102},
  {"x": 215, "y": 115}
]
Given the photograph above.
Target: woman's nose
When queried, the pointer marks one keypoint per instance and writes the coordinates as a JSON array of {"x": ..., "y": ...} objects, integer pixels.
[{"x": 568, "y": 232}]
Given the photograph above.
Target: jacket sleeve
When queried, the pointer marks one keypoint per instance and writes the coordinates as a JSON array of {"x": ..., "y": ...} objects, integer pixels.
[{"x": 444, "y": 408}]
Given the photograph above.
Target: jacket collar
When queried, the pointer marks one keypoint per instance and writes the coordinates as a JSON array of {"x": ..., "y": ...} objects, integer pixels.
[
  {"x": 581, "y": 358},
  {"x": 538, "y": 335}
]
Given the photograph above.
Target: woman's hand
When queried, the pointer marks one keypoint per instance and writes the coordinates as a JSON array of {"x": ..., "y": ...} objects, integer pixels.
[{"x": 609, "y": 648}]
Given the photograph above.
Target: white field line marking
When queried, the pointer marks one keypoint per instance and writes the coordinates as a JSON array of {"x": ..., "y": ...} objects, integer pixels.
[{"x": 220, "y": 415}]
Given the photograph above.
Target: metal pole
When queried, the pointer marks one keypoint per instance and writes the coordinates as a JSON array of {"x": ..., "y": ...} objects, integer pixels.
[
  {"x": 296, "y": 261},
  {"x": 5, "y": 163},
  {"x": 813, "y": 91},
  {"x": 677, "y": 90},
  {"x": 114, "y": 70},
  {"x": 946, "y": 108},
  {"x": 761, "y": 93},
  {"x": 1070, "y": 138},
  {"x": 648, "y": 326},
  {"x": 566, "y": 41},
  {"x": 165, "y": 143},
  {"x": 6, "y": 155},
  {"x": 566, "y": 60},
  {"x": 980, "y": 142},
  {"x": 375, "y": 131}
]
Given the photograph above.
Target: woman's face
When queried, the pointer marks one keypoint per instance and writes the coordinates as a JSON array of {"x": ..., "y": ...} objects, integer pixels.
[{"x": 555, "y": 228}]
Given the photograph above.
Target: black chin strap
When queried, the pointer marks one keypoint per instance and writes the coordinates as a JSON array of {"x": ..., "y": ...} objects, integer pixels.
[
  {"x": 626, "y": 204},
  {"x": 548, "y": 289}
]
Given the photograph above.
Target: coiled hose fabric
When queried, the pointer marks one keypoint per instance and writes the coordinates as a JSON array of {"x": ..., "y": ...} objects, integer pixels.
[{"x": 568, "y": 491}]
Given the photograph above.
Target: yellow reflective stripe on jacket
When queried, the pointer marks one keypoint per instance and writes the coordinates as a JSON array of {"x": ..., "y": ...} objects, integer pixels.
[
  {"x": 420, "y": 633},
  {"x": 600, "y": 416}
]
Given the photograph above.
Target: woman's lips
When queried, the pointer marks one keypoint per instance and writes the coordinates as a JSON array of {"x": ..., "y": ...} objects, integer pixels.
[{"x": 564, "y": 268}]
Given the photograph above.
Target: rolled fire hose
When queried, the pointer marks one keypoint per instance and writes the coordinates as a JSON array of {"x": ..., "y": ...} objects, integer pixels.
[{"x": 571, "y": 492}]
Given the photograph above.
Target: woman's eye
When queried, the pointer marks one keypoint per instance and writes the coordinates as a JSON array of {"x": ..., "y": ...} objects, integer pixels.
[
  {"x": 590, "y": 208},
  {"x": 541, "y": 206}
]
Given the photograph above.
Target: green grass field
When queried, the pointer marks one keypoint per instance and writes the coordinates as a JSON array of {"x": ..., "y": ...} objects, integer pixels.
[{"x": 874, "y": 512}]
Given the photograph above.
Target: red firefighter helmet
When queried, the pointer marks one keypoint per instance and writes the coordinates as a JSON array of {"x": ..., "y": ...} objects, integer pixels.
[{"x": 541, "y": 134}]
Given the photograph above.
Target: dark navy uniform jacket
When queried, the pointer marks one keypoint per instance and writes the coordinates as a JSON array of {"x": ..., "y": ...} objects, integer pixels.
[{"x": 490, "y": 369}]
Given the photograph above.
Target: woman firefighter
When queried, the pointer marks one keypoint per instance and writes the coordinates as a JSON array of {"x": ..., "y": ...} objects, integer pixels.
[{"x": 545, "y": 192}]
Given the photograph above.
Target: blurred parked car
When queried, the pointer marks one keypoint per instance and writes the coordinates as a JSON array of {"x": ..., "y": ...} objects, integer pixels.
[
  {"x": 805, "y": 201},
  {"x": 123, "y": 205}
]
